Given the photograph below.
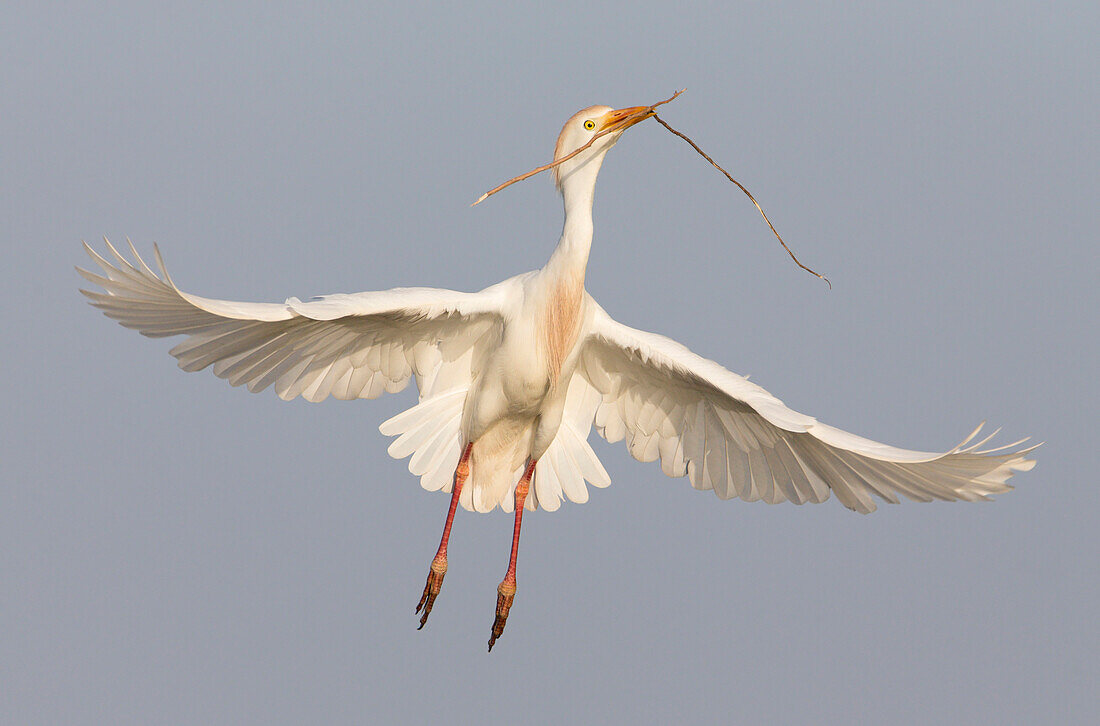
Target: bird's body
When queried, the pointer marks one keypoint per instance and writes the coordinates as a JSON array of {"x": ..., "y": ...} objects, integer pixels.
[
  {"x": 513, "y": 378},
  {"x": 515, "y": 408}
]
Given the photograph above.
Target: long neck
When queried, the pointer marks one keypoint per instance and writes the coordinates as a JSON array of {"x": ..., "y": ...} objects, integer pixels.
[
  {"x": 578, "y": 192},
  {"x": 562, "y": 280}
]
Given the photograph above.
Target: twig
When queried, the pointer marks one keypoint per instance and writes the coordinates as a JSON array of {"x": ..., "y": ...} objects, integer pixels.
[
  {"x": 644, "y": 113},
  {"x": 749, "y": 195}
]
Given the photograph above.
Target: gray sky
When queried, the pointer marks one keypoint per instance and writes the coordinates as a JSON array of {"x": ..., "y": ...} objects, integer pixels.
[{"x": 174, "y": 550}]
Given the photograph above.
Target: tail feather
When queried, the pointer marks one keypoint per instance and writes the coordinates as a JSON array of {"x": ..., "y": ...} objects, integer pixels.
[
  {"x": 431, "y": 433},
  {"x": 496, "y": 463}
]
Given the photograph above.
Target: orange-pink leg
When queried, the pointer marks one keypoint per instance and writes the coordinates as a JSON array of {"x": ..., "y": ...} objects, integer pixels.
[
  {"x": 506, "y": 591},
  {"x": 439, "y": 564}
]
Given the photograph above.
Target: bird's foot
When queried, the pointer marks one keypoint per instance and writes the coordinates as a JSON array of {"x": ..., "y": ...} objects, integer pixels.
[
  {"x": 506, "y": 593},
  {"x": 432, "y": 587}
]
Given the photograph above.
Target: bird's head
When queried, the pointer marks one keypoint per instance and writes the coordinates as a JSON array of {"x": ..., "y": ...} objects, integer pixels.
[
  {"x": 603, "y": 123},
  {"x": 582, "y": 144}
]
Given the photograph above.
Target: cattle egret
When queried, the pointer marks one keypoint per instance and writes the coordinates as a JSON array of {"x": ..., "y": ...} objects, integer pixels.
[{"x": 512, "y": 379}]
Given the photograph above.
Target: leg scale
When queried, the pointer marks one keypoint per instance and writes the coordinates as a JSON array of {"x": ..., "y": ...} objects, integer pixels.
[{"x": 439, "y": 564}]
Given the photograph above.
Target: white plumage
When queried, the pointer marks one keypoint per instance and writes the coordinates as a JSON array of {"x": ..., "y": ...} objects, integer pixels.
[
  {"x": 524, "y": 368},
  {"x": 513, "y": 378},
  {"x": 722, "y": 431}
]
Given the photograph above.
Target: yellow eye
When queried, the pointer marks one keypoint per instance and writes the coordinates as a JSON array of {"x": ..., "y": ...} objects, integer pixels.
[{"x": 590, "y": 124}]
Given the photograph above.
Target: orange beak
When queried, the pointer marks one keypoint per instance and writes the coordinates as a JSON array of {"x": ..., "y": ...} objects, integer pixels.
[{"x": 624, "y": 118}]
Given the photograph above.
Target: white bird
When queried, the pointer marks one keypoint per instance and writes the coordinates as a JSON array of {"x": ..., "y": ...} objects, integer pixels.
[{"x": 512, "y": 379}]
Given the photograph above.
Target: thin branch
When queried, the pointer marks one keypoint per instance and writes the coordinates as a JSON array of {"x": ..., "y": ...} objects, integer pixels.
[
  {"x": 640, "y": 115},
  {"x": 648, "y": 111},
  {"x": 749, "y": 195}
]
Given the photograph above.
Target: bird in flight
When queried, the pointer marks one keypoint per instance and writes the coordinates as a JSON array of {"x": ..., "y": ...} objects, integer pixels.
[{"x": 513, "y": 378}]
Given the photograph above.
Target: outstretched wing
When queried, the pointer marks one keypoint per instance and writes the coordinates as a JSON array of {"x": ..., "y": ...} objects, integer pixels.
[
  {"x": 347, "y": 346},
  {"x": 732, "y": 436}
]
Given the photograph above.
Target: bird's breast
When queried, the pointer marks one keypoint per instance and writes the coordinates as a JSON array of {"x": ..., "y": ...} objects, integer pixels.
[
  {"x": 535, "y": 352},
  {"x": 561, "y": 322}
]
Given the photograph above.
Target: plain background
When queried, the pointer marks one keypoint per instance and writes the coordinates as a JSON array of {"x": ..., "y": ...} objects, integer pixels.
[{"x": 177, "y": 551}]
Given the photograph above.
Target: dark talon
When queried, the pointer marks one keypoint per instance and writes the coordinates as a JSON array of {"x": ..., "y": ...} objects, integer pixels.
[
  {"x": 506, "y": 595},
  {"x": 431, "y": 589}
]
